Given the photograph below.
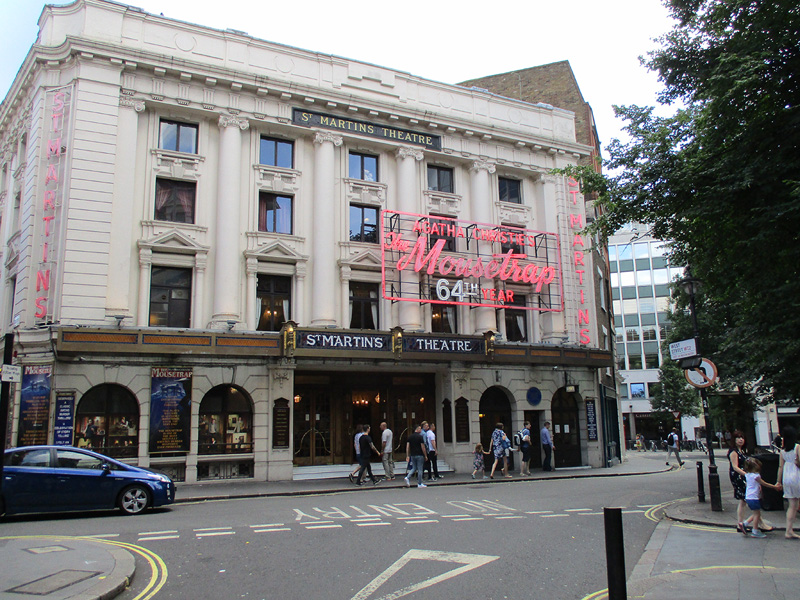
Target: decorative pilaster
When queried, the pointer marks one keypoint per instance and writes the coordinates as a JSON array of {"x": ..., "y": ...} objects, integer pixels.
[
  {"x": 323, "y": 240},
  {"x": 481, "y": 208},
  {"x": 145, "y": 264},
  {"x": 251, "y": 302},
  {"x": 227, "y": 269}
]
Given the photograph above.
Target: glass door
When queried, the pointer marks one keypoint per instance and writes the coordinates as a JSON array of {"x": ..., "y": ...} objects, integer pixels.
[{"x": 312, "y": 428}]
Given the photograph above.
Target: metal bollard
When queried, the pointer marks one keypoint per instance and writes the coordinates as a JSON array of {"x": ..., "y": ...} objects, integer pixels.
[
  {"x": 701, "y": 488},
  {"x": 615, "y": 554}
]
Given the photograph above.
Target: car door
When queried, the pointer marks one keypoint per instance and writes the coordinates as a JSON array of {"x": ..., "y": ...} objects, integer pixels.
[
  {"x": 81, "y": 481},
  {"x": 29, "y": 481}
]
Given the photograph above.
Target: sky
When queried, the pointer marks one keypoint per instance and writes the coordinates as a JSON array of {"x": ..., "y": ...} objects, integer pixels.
[{"x": 444, "y": 40}]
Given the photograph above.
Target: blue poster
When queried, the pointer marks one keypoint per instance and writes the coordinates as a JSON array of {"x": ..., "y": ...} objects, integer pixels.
[
  {"x": 64, "y": 419},
  {"x": 34, "y": 405},
  {"x": 170, "y": 410}
]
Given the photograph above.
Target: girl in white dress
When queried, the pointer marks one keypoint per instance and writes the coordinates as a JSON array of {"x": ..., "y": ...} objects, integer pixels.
[{"x": 789, "y": 474}]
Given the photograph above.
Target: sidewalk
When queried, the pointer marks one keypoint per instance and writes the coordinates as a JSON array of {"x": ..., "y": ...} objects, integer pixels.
[{"x": 692, "y": 537}]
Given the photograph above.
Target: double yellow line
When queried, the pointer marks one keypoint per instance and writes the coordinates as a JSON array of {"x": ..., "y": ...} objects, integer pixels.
[{"x": 158, "y": 568}]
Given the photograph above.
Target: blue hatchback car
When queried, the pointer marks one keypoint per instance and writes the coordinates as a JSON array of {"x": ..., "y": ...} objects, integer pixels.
[{"x": 62, "y": 478}]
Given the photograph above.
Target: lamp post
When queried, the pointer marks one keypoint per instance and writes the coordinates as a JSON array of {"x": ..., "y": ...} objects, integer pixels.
[{"x": 691, "y": 285}]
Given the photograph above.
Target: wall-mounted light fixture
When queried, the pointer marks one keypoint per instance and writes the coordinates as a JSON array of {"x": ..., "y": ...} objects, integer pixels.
[
  {"x": 489, "y": 338},
  {"x": 289, "y": 336},
  {"x": 397, "y": 342},
  {"x": 120, "y": 319}
]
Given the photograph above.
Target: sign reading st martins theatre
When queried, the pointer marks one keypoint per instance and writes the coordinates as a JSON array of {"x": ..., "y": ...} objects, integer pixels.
[
  {"x": 404, "y": 136},
  {"x": 448, "y": 261}
]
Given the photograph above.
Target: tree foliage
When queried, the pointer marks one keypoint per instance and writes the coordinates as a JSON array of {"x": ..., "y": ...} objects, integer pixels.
[{"x": 720, "y": 178}]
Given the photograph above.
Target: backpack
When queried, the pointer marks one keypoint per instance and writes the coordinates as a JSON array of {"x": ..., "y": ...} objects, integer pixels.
[
  {"x": 671, "y": 439},
  {"x": 518, "y": 438}
]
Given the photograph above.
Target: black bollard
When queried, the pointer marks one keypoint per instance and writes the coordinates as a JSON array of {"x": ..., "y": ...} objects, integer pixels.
[
  {"x": 615, "y": 554},
  {"x": 701, "y": 488}
]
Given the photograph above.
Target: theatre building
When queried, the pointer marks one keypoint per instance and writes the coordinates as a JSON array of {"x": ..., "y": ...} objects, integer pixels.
[{"x": 220, "y": 254}]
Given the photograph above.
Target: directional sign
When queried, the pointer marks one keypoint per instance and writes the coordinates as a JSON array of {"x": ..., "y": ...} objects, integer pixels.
[
  {"x": 703, "y": 376},
  {"x": 683, "y": 349},
  {"x": 12, "y": 373},
  {"x": 467, "y": 562}
]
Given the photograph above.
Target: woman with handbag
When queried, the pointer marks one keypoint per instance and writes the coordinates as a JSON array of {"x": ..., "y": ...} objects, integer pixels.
[
  {"x": 789, "y": 475},
  {"x": 498, "y": 447}
]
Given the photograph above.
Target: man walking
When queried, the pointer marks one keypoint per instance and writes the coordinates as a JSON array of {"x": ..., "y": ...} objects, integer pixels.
[
  {"x": 672, "y": 446},
  {"x": 417, "y": 454},
  {"x": 432, "y": 465},
  {"x": 359, "y": 433},
  {"x": 364, "y": 459},
  {"x": 387, "y": 439},
  {"x": 547, "y": 446},
  {"x": 525, "y": 449}
]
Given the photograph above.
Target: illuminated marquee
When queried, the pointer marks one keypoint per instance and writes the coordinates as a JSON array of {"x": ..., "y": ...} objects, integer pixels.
[
  {"x": 53, "y": 171},
  {"x": 469, "y": 263},
  {"x": 578, "y": 256}
]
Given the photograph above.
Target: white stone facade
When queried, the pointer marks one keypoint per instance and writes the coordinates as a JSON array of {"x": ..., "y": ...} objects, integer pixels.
[{"x": 123, "y": 73}]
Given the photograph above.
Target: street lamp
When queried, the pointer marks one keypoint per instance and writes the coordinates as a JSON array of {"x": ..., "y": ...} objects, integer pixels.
[{"x": 691, "y": 285}]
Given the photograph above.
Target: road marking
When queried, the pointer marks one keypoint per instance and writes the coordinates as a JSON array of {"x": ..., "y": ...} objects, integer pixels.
[
  {"x": 453, "y": 516},
  {"x": 577, "y": 509},
  {"x": 365, "y": 519},
  {"x": 103, "y": 535},
  {"x": 469, "y": 519},
  {"x": 589, "y": 514},
  {"x": 266, "y": 525},
  {"x": 165, "y": 532},
  {"x": 510, "y": 517},
  {"x": 158, "y": 537},
  {"x": 418, "y": 521},
  {"x": 628, "y": 512},
  {"x": 469, "y": 562},
  {"x": 215, "y": 533},
  {"x": 212, "y": 529},
  {"x": 272, "y": 529},
  {"x": 537, "y": 512},
  {"x": 381, "y": 524},
  {"x": 315, "y": 526},
  {"x": 550, "y": 516}
]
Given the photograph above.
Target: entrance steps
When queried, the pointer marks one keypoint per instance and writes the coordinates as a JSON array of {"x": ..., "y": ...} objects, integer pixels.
[{"x": 341, "y": 471}]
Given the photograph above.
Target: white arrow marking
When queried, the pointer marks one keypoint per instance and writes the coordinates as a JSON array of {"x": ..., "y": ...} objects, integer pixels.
[{"x": 469, "y": 562}]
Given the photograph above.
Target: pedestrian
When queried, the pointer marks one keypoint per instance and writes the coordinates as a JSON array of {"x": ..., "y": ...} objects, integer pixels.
[
  {"x": 416, "y": 453},
  {"x": 673, "y": 445},
  {"x": 367, "y": 447},
  {"x": 525, "y": 448},
  {"x": 736, "y": 473},
  {"x": 547, "y": 446},
  {"x": 639, "y": 443},
  {"x": 499, "y": 445},
  {"x": 432, "y": 463},
  {"x": 477, "y": 461},
  {"x": 359, "y": 432},
  {"x": 789, "y": 476},
  {"x": 387, "y": 439},
  {"x": 752, "y": 469}
]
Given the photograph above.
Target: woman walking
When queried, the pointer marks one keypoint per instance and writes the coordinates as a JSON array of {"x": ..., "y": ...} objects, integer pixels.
[
  {"x": 789, "y": 475},
  {"x": 736, "y": 472},
  {"x": 498, "y": 447}
]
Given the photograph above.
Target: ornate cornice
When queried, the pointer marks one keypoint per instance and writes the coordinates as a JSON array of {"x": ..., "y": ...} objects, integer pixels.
[
  {"x": 480, "y": 165},
  {"x": 228, "y": 120},
  {"x": 320, "y": 137},
  {"x": 409, "y": 152},
  {"x": 137, "y": 105}
]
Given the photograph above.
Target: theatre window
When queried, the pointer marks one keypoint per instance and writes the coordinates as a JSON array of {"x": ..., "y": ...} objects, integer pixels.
[
  {"x": 178, "y": 137},
  {"x": 444, "y": 317},
  {"x": 363, "y": 305},
  {"x": 170, "y": 297},
  {"x": 516, "y": 319},
  {"x": 510, "y": 190},
  {"x": 107, "y": 421},
  {"x": 276, "y": 153},
  {"x": 226, "y": 421},
  {"x": 440, "y": 225},
  {"x": 274, "y": 213},
  {"x": 440, "y": 179},
  {"x": 511, "y": 245},
  {"x": 175, "y": 200},
  {"x": 363, "y": 224},
  {"x": 274, "y": 300},
  {"x": 363, "y": 166}
]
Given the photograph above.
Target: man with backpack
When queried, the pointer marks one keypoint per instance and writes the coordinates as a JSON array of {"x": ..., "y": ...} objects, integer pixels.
[
  {"x": 525, "y": 448},
  {"x": 673, "y": 441}
]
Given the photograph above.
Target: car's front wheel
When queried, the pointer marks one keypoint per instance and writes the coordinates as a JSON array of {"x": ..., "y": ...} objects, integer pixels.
[{"x": 134, "y": 499}]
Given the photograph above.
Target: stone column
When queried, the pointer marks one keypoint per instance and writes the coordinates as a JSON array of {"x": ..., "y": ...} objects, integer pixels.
[
  {"x": 118, "y": 301},
  {"x": 198, "y": 304},
  {"x": 481, "y": 208},
  {"x": 145, "y": 265},
  {"x": 345, "y": 275},
  {"x": 251, "y": 302},
  {"x": 299, "y": 299},
  {"x": 410, "y": 313},
  {"x": 323, "y": 236},
  {"x": 227, "y": 269}
]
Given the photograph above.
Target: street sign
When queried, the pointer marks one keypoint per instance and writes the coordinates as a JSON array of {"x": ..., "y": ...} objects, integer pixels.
[
  {"x": 683, "y": 349},
  {"x": 703, "y": 376},
  {"x": 12, "y": 373}
]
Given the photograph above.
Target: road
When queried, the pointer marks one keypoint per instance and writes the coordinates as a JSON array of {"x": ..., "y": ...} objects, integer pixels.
[{"x": 522, "y": 539}]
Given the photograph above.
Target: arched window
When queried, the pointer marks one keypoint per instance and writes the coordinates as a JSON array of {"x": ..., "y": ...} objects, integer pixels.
[
  {"x": 226, "y": 421},
  {"x": 107, "y": 421}
]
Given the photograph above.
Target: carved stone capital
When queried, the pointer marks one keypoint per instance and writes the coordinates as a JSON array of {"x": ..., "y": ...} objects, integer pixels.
[
  {"x": 408, "y": 152},
  {"x": 137, "y": 105},
  {"x": 320, "y": 137},
  {"x": 228, "y": 120},
  {"x": 480, "y": 165}
]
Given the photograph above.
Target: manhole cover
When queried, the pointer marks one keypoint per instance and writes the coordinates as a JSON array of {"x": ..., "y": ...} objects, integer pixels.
[
  {"x": 46, "y": 549},
  {"x": 53, "y": 583}
]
